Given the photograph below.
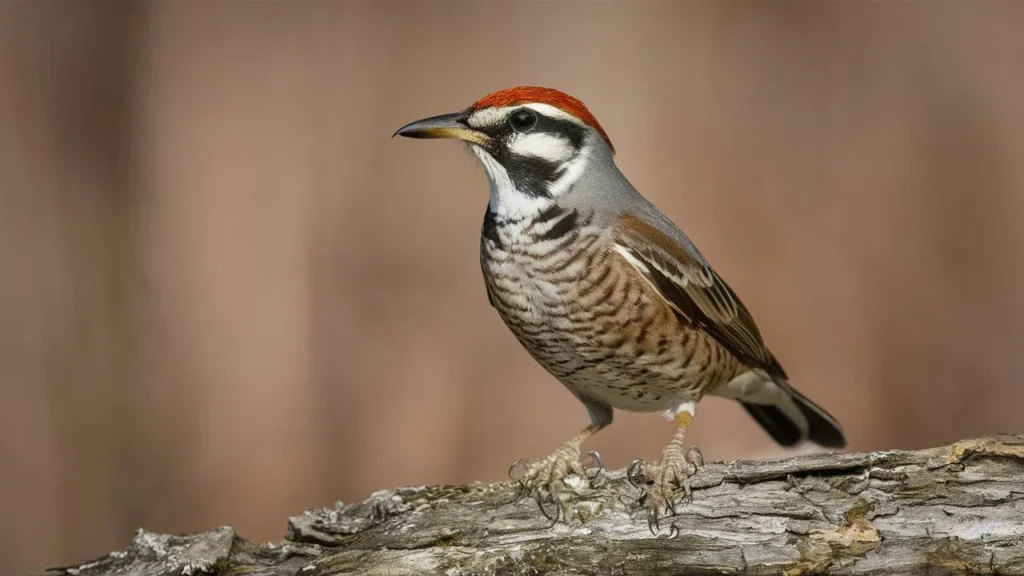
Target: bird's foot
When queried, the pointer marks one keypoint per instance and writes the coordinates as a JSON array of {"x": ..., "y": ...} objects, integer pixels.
[
  {"x": 548, "y": 479},
  {"x": 662, "y": 480}
]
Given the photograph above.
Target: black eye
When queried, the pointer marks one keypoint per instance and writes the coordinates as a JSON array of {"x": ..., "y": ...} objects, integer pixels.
[{"x": 523, "y": 120}]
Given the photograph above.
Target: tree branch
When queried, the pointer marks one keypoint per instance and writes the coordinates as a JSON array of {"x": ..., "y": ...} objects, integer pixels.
[{"x": 950, "y": 510}]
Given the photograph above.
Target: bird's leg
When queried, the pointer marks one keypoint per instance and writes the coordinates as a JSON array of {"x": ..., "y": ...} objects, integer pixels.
[
  {"x": 543, "y": 477},
  {"x": 670, "y": 474},
  {"x": 560, "y": 463}
]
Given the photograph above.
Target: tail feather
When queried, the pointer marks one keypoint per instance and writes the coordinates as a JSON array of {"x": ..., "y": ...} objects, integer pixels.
[
  {"x": 781, "y": 428},
  {"x": 823, "y": 429},
  {"x": 795, "y": 418}
]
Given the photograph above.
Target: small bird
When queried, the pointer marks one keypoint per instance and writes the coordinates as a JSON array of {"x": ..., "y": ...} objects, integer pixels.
[{"x": 606, "y": 292}]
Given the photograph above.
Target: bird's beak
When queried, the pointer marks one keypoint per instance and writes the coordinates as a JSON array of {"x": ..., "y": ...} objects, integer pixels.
[{"x": 444, "y": 126}]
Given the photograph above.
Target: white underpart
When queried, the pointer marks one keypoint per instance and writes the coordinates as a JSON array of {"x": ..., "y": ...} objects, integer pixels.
[
  {"x": 753, "y": 387},
  {"x": 550, "y": 147},
  {"x": 756, "y": 387},
  {"x": 505, "y": 200},
  {"x": 688, "y": 406}
]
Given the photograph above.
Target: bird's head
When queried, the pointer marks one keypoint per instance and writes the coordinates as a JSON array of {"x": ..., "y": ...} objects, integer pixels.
[{"x": 534, "y": 142}]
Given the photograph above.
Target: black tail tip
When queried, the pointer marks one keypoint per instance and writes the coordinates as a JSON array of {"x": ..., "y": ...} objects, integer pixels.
[
  {"x": 822, "y": 429},
  {"x": 828, "y": 437}
]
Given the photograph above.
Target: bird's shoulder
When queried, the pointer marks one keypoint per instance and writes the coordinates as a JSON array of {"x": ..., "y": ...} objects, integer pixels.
[{"x": 657, "y": 250}]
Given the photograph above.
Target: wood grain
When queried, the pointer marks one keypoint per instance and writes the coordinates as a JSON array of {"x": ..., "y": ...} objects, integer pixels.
[{"x": 957, "y": 509}]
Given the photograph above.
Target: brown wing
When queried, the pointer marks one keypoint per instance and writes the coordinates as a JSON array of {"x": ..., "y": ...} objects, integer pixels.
[{"x": 696, "y": 293}]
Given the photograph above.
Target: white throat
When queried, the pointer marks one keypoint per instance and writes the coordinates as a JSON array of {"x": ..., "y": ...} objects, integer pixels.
[{"x": 510, "y": 203}]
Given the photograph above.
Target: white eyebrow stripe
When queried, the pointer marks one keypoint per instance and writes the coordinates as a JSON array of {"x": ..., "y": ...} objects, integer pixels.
[
  {"x": 492, "y": 116},
  {"x": 553, "y": 112}
]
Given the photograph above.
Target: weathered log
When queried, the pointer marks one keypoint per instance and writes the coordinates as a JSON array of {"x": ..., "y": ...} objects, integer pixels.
[{"x": 953, "y": 510}]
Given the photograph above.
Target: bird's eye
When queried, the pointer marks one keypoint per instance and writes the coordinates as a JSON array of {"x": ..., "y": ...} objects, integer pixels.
[{"x": 523, "y": 120}]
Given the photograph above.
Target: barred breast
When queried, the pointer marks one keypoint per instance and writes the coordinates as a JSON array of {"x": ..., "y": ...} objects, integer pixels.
[{"x": 585, "y": 314}]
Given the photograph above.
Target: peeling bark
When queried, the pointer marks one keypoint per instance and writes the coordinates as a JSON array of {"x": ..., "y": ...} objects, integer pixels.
[{"x": 953, "y": 510}]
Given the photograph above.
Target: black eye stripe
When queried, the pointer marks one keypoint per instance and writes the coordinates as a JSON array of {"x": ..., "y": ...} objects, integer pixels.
[{"x": 574, "y": 132}]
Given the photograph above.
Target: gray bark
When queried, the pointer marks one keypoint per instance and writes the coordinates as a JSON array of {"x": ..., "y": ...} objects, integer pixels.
[{"x": 958, "y": 509}]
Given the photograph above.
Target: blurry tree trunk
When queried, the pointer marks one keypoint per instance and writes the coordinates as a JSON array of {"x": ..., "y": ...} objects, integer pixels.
[{"x": 956, "y": 509}]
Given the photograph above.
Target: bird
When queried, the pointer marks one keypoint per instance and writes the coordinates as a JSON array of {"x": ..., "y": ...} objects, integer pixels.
[{"x": 607, "y": 293}]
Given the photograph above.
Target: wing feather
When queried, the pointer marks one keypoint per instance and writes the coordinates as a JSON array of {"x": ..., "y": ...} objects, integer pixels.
[{"x": 693, "y": 289}]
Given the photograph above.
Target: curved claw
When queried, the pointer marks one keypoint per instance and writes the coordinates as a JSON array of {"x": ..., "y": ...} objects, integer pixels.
[
  {"x": 694, "y": 457},
  {"x": 635, "y": 473},
  {"x": 690, "y": 469},
  {"x": 673, "y": 531},
  {"x": 652, "y": 522},
  {"x": 558, "y": 509},
  {"x": 523, "y": 491},
  {"x": 600, "y": 465},
  {"x": 512, "y": 468}
]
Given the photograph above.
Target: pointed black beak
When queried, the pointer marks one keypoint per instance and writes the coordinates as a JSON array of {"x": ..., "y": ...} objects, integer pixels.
[{"x": 444, "y": 126}]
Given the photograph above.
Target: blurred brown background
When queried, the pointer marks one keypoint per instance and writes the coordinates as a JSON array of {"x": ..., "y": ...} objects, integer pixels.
[{"x": 226, "y": 294}]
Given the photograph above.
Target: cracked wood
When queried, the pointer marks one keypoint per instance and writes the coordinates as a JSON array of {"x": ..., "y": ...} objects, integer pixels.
[{"x": 952, "y": 510}]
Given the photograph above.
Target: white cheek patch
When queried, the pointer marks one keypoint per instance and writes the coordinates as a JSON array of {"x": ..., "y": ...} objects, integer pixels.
[
  {"x": 572, "y": 172},
  {"x": 550, "y": 147}
]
